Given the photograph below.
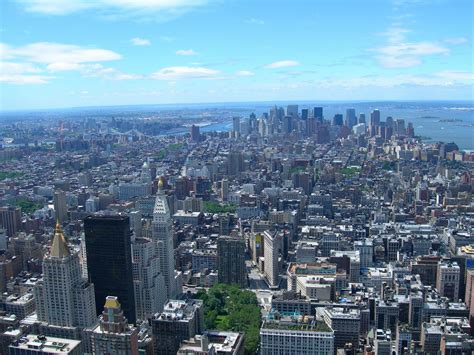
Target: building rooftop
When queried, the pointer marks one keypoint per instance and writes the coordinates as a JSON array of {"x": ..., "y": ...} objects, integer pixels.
[{"x": 47, "y": 345}]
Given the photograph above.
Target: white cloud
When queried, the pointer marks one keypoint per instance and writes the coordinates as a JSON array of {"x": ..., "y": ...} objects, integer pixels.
[
  {"x": 186, "y": 52},
  {"x": 255, "y": 21},
  {"x": 137, "y": 41},
  {"x": 62, "y": 7},
  {"x": 44, "y": 57},
  {"x": 399, "y": 53},
  {"x": 282, "y": 64},
  {"x": 456, "y": 40},
  {"x": 463, "y": 76},
  {"x": 244, "y": 73},
  {"x": 47, "y": 53},
  {"x": 182, "y": 73}
]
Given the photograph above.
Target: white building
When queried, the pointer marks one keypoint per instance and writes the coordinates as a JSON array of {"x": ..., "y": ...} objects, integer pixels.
[
  {"x": 63, "y": 298},
  {"x": 162, "y": 233},
  {"x": 149, "y": 283},
  {"x": 296, "y": 336}
]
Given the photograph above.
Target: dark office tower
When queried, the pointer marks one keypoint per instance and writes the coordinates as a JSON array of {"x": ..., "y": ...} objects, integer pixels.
[
  {"x": 195, "y": 133},
  {"x": 351, "y": 119},
  {"x": 292, "y": 110},
  {"x": 304, "y": 114},
  {"x": 337, "y": 120},
  {"x": 10, "y": 219},
  {"x": 311, "y": 125},
  {"x": 374, "y": 122},
  {"x": 362, "y": 118},
  {"x": 389, "y": 122},
  {"x": 318, "y": 113},
  {"x": 410, "y": 130},
  {"x": 231, "y": 261},
  {"x": 287, "y": 126},
  {"x": 236, "y": 126},
  {"x": 235, "y": 163},
  {"x": 109, "y": 260}
]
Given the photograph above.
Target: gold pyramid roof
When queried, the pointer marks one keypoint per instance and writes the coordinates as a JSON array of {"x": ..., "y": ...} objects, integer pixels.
[{"x": 59, "y": 247}]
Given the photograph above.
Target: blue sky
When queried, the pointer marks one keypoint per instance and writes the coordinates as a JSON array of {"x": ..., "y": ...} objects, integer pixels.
[{"x": 65, "y": 53}]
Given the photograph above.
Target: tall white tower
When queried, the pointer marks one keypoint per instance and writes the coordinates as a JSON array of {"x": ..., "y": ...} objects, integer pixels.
[
  {"x": 149, "y": 283},
  {"x": 63, "y": 298},
  {"x": 162, "y": 233}
]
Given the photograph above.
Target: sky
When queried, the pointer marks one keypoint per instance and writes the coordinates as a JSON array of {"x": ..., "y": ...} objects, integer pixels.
[{"x": 72, "y": 53}]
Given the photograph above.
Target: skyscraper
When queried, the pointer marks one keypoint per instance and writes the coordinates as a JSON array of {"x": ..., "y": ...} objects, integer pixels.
[
  {"x": 318, "y": 113},
  {"x": 114, "y": 335},
  {"x": 337, "y": 120},
  {"x": 10, "y": 219},
  {"x": 231, "y": 261},
  {"x": 195, "y": 133},
  {"x": 150, "y": 288},
  {"x": 292, "y": 110},
  {"x": 63, "y": 298},
  {"x": 60, "y": 205},
  {"x": 236, "y": 125},
  {"x": 272, "y": 248},
  {"x": 351, "y": 118},
  {"x": 162, "y": 232},
  {"x": 109, "y": 260}
]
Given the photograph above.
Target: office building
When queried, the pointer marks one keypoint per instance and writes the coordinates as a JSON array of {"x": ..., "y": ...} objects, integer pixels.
[
  {"x": 345, "y": 323},
  {"x": 149, "y": 283},
  {"x": 195, "y": 134},
  {"x": 351, "y": 118},
  {"x": 109, "y": 260},
  {"x": 39, "y": 344},
  {"x": 272, "y": 249},
  {"x": 179, "y": 321},
  {"x": 337, "y": 120},
  {"x": 162, "y": 233},
  {"x": 63, "y": 298},
  {"x": 231, "y": 261},
  {"x": 10, "y": 219},
  {"x": 113, "y": 334},
  {"x": 291, "y": 335},
  {"x": 292, "y": 111},
  {"x": 60, "y": 205},
  {"x": 236, "y": 126},
  {"x": 214, "y": 343},
  {"x": 318, "y": 114},
  {"x": 448, "y": 279}
]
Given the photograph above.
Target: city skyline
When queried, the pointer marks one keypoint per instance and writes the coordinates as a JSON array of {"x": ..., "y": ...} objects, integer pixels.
[{"x": 158, "y": 52}]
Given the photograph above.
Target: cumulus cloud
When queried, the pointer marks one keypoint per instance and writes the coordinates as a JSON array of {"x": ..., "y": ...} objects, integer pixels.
[
  {"x": 183, "y": 73},
  {"x": 25, "y": 62},
  {"x": 282, "y": 64},
  {"x": 137, "y": 41},
  {"x": 399, "y": 53},
  {"x": 186, "y": 52}
]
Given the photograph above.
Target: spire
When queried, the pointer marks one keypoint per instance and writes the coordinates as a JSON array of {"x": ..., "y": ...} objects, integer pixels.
[
  {"x": 59, "y": 247},
  {"x": 160, "y": 186}
]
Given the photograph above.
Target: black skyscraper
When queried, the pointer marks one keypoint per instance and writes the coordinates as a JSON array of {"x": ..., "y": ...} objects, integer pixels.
[
  {"x": 231, "y": 261},
  {"x": 109, "y": 260},
  {"x": 318, "y": 113}
]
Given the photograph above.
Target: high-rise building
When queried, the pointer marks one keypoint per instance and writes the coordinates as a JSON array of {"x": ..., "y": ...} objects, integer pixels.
[
  {"x": 292, "y": 111},
  {"x": 447, "y": 282},
  {"x": 179, "y": 321},
  {"x": 224, "y": 189},
  {"x": 63, "y": 298},
  {"x": 236, "y": 125},
  {"x": 113, "y": 334},
  {"x": 374, "y": 122},
  {"x": 60, "y": 205},
  {"x": 304, "y": 114},
  {"x": 318, "y": 114},
  {"x": 109, "y": 260},
  {"x": 231, "y": 261},
  {"x": 351, "y": 118},
  {"x": 149, "y": 283},
  {"x": 272, "y": 249},
  {"x": 344, "y": 322},
  {"x": 10, "y": 219},
  {"x": 195, "y": 133},
  {"x": 337, "y": 120},
  {"x": 287, "y": 124},
  {"x": 235, "y": 163},
  {"x": 162, "y": 233}
]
